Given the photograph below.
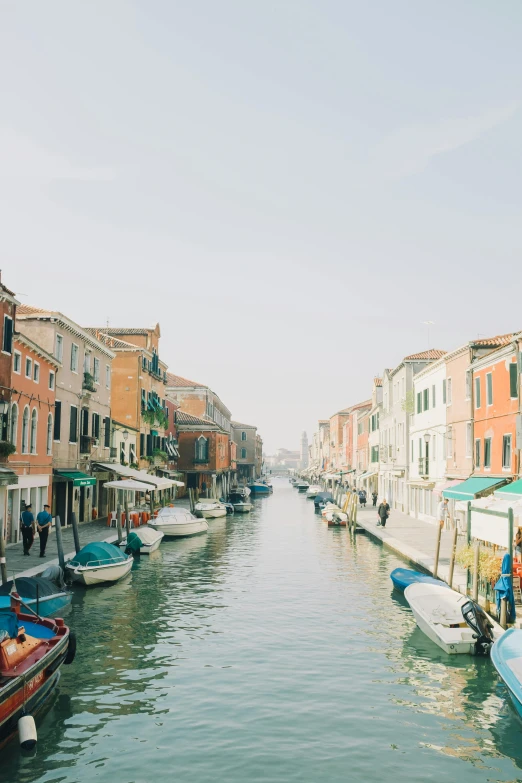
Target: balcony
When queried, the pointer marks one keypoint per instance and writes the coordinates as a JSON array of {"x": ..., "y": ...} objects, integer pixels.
[
  {"x": 424, "y": 467},
  {"x": 86, "y": 444},
  {"x": 88, "y": 382}
]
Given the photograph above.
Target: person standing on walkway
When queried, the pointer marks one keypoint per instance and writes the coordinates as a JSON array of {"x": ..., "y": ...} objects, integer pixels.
[
  {"x": 27, "y": 526},
  {"x": 374, "y": 498},
  {"x": 443, "y": 512},
  {"x": 384, "y": 512},
  {"x": 43, "y": 523}
]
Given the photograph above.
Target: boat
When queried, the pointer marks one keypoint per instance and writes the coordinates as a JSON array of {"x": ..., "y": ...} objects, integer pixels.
[
  {"x": 144, "y": 541},
  {"x": 312, "y": 491},
  {"x": 41, "y": 595},
  {"x": 301, "y": 486},
  {"x": 506, "y": 655},
  {"x": 97, "y": 563},
  {"x": 453, "y": 621},
  {"x": 210, "y": 509},
  {"x": 321, "y": 499},
  {"x": 403, "y": 577},
  {"x": 241, "y": 503},
  {"x": 259, "y": 488},
  {"x": 176, "y": 522},
  {"x": 334, "y": 515},
  {"x": 32, "y": 649}
]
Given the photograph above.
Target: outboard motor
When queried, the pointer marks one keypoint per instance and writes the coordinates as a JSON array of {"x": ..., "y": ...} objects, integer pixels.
[{"x": 479, "y": 622}]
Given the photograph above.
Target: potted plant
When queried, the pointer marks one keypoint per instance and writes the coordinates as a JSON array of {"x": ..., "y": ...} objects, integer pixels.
[{"x": 6, "y": 449}]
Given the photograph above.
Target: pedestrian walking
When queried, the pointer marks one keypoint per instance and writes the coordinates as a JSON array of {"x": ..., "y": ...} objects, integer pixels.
[
  {"x": 43, "y": 524},
  {"x": 362, "y": 498},
  {"x": 27, "y": 527},
  {"x": 374, "y": 498},
  {"x": 383, "y": 512},
  {"x": 443, "y": 512}
]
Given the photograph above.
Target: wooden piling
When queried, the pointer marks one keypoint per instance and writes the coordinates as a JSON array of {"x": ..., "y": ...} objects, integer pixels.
[
  {"x": 3, "y": 564},
  {"x": 127, "y": 517},
  {"x": 118, "y": 523},
  {"x": 59, "y": 542},
  {"x": 437, "y": 551},
  {"x": 476, "y": 561},
  {"x": 152, "y": 504},
  {"x": 453, "y": 553},
  {"x": 76, "y": 534},
  {"x": 503, "y": 613}
]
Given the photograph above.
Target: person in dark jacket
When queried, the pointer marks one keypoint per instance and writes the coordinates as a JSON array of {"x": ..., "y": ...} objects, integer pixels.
[
  {"x": 383, "y": 512},
  {"x": 43, "y": 522},
  {"x": 374, "y": 498},
  {"x": 27, "y": 526}
]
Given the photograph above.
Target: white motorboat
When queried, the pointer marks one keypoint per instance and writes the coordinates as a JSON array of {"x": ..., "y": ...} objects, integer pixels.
[
  {"x": 175, "y": 522},
  {"x": 150, "y": 539},
  {"x": 312, "y": 491},
  {"x": 240, "y": 502},
  {"x": 331, "y": 513},
  {"x": 301, "y": 486},
  {"x": 453, "y": 621},
  {"x": 99, "y": 562},
  {"x": 210, "y": 509}
]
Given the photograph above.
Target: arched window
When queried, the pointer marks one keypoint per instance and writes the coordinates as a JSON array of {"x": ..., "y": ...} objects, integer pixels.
[
  {"x": 25, "y": 430},
  {"x": 13, "y": 432},
  {"x": 34, "y": 430},
  {"x": 49, "y": 434},
  {"x": 202, "y": 449}
]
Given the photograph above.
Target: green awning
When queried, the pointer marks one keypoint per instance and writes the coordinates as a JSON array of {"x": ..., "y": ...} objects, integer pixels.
[
  {"x": 515, "y": 488},
  {"x": 78, "y": 478},
  {"x": 471, "y": 488}
]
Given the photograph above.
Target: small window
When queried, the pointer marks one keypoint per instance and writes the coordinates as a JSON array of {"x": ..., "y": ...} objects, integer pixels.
[
  {"x": 489, "y": 389},
  {"x": 243, "y": 436},
  {"x": 419, "y": 402},
  {"x": 477, "y": 393},
  {"x": 57, "y": 420},
  {"x": 469, "y": 439},
  {"x": 96, "y": 425},
  {"x": 107, "y": 433},
  {"x": 506, "y": 452},
  {"x": 107, "y": 376},
  {"x": 49, "y": 434},
  {"x": 74, "y": 357},
  {"x": 449, "y": 443},
  {"x": 96, "y": 370},
  {"x": 36, "y": 373},
  {"x": 28, "y": 368},
  {"x": 426, "y": 399},
  {"x": 243, "y": 453},
  {"x": 477, "y": 453},
  {"x": 433, "y": 397},
  {"x": 25, "y": 431},
  {"x": 17, "y": 362},
  {"x": 487, "y": 452},
  {"x": 87, "y": 362},
  {"x": 13, "y": 437},
  {"x": 34, "y": 430},
  {"x": 468, "y": 384},
  {"x": 73, "y": 425},
  {"x": 7, "y": 343},
  {"x": 444, "y": 391},
  {"x": 448, "y": 392},
  {"x": 58, "y": 347},
  {"x": 51, "y": 380},
  {"x": 412, "y": 451},
  {"x": 513, "y": 381}
]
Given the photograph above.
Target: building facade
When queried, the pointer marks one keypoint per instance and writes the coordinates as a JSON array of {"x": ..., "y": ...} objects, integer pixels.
[
  {"x": 205, "y": 455},
  {"x": 244, "y": 436}
]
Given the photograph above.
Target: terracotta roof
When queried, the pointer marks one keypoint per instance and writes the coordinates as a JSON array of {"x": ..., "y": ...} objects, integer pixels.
[
  {"x": 115, "y": 330},
  {"x": 377, "y": 381},
  {"x": 187, "y": 418},
  {"x": 433, "y": 353},
  {"x": 180, "y": 382},
  {"x": 494, "y": 342},
  {"x": 25, "y": 309},
  {"x": 247, "y": 426},
  {"x": 110, "y": 341}
]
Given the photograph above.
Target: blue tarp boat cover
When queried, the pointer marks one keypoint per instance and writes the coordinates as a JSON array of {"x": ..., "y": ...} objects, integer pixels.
[
  {"x": 403, "y": 577},
  {"x": 504, "y": 589},
  {"x": 29, "y": 586},
  {"x": 8, "y": 625},
  {"x": 98, "y": 553}
]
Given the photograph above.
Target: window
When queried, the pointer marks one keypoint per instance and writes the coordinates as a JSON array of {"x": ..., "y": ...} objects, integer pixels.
[
  {"x": 96, "y": 425},
  {"x": 513, "y": 381},
  {"x": 433, "y": 398},
  {"x": 426, "y": 399},
  {"x": 73, "y": 425},
  {"x": 449, "y": 442},
  {"x": 448, "y": 392},
  {"x": 142, "y": 444},
  {"x": 143, "y": 400},
  {"x": 489, "y": 389},
  {"x": 28, "y": 368},
  {"x": 107, "y": 376},
  {"x": 13, "y": 432},
  {"x": 58, "y": 347},
  {"x": 51, "y": 380},
  {"x": 25, "y": 431},
  {"x": 412, "y": 451},
  {"x": 87, "y": 362},
  {"x": 469, "y": 439},
  {"x": 36, "y": 373},
  {"x": 477, "y": 453},
  {"x": 49, "y": 434},
  {"x": 419, "y": 402},
  {"x": 96, "y": 370},
  {"x": 444, "y": 390},
  {"x": 243, "y": 436},
  {"x": 57, "y": 420},
  {"x": 468, "y": 384},
  {"x": 477, "y": 393},
  {"x": 434, "y": 447},
  {"x": 17, "y": 362},
  {"x": 506, "y": 452},
  {"x": 74, "y": 357},
  {"x": 34, "y": 430},
  {"x": 202, "y": 449},
  {"x": 107, "y": 433},
  {"x": 375, "y": 454},
  {"x": 7, "y": 343},
  {"x": 487, "y": 452},
  {"x": 243, "y": 453}
]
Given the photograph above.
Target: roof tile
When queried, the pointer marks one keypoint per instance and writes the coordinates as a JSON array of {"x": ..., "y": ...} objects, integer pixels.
[
  {"x": 494, "y": 342},
  {"x": 432, "y": 353},
  {"x": 180, "y": 382}
]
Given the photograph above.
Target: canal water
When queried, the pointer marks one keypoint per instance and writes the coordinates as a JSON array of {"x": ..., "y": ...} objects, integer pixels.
[{"x": 273, "y": 650}]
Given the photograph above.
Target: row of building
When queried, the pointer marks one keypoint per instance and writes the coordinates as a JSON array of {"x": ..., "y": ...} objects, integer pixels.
[
  {"x": 81, "y": 405},
  {"x": 430, "y": 423}
]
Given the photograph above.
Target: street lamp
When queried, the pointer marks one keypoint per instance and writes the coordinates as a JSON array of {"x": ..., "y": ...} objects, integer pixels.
[
  {"x": 427, "y": 437},
  {"x": 125, "y": 434}
]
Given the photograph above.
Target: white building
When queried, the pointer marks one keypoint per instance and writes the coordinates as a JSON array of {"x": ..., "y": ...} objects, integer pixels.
[
  {"x": 369, "y": 479},
  {"x": 428, "y": 441}
]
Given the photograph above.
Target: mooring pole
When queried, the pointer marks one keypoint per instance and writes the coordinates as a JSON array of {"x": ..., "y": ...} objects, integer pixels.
[
  {"x": 75, "y": 532},
  {"x": 437, "y": 551},
  {"x": 476, "y": 561},
  {"x": 453, "y": 553},
  {"x": 59, "y": 542},
  {"x": 3, "y": 564},
  {"x": 118, "y": 523}
]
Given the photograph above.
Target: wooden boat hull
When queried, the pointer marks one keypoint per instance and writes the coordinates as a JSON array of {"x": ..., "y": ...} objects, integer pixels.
[{"x": 99, "y": 574}]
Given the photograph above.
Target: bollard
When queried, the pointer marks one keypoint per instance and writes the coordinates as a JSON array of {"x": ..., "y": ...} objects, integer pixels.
[
  {"x": 452, "y": 556},
  {"x": 503, "y": 613},
  {"x": 3, "y": 564},
  {"x": 75, "y": 532},
  {"x": 118, "y": 523},
  {"x": 476, "y": 560},
  {"x": 59, "y": 542},
  {"x": 437, "y": 551},
  {"x": 152, "y": 505}
]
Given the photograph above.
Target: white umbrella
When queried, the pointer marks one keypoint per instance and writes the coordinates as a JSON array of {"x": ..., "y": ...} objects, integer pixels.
[{"x": 129, "y": 484}]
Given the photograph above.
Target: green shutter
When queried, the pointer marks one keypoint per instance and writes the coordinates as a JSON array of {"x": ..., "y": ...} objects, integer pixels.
[
  {"x": 513, "y": 380},
  {"x": 477, "y": 393},
  {"x": 489, "y": 388}
]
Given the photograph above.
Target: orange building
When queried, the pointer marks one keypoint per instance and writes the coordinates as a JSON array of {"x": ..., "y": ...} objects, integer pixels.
[
  {"x": 496, "y": 406},
  {"x": 205, "y": 453}
]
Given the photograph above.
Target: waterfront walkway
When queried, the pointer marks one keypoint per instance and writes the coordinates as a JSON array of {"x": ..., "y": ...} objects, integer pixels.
[{"x": 415, "y": 540}]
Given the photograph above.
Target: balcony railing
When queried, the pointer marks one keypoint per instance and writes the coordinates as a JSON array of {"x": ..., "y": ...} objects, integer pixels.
[
  {"x": 424, "y": 467},
  {"x": 86, "y": 444}
]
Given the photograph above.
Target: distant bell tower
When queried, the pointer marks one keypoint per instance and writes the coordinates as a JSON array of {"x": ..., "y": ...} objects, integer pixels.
[{"x": 304, "y": 451}]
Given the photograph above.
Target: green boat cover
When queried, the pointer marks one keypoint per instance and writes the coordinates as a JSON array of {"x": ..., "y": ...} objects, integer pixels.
[
  {"x": 134, "y": 543},
  {"x": 98, "y": 553}
]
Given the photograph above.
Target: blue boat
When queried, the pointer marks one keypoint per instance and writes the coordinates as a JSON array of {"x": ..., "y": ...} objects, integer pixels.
[
  {"x": 403, "y": 577},
  {"x": 506, "y": 655},
  {"x": 259, "y": 488},
  {"x": 41, "y": 595}
]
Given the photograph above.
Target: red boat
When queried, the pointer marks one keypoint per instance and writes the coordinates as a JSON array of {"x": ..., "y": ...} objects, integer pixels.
[{"x": 32, "y": 649}]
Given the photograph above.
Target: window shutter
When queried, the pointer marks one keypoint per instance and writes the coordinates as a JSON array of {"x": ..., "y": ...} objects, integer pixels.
[
  {"x": 107, "y": 432},
  {"x": 73, "y": 425},
  {"x": 149, "y": 445},
  {"x": 419, "y": 402},
  {"x": 477, "y": 393},
  {"x": 142, "y": 444},
  {"x": 8, "y": 334},
  {"x": 513, "y": 380},
  {"x": 444, "y": 393},
  {"x": 57, "y": 420}
]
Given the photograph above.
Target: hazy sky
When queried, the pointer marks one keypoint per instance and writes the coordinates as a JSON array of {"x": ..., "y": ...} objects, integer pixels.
[{"x": 290, "y": 188}]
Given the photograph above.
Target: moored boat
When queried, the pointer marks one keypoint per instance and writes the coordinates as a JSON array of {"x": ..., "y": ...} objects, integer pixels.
[
  {"x": 453, "y": 621},
  {"x": 41, "y": 595},
  {"x": 312, "y": 491},
  {"x": 97, "y": 563},
  {"x": 259, "y": 488},
  {"x": 210, "y": 509},
  {"x": 176, "y": 522},
  {"x": 31, "y": 653},
  {"x": 403, "y": 577},
  {"x": 301, "y": 486},
  {"x": 241, "y": 503},
  {"x": 145, "y": 540},
  {"x": 506, "y": 655}
]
